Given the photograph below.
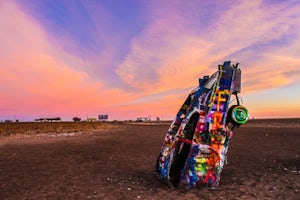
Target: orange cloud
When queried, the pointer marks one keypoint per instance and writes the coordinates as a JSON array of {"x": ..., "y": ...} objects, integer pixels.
[
  {"x": 38, "y": 76},
  {"x": 168, "y": 54},
  {"x": 36, "y": 80},
  {"x": 247, "y": 32}
]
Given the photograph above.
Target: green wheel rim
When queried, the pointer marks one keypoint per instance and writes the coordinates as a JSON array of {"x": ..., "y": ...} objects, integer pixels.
[{"x": 240, "y": 114}]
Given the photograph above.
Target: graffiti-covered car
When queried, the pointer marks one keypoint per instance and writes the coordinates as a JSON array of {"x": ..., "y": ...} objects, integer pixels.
[{"x": 195, "y": 147}]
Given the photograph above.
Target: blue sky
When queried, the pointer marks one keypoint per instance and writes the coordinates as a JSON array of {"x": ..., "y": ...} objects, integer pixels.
[{"x": 138, "y": 58}]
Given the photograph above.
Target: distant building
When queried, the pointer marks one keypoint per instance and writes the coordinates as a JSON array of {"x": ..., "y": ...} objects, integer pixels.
[
  {"x": 91, "y": 119},
  {"x": 103, "y": 117},
  {"x": 142, "y": 119},
  {"x": 55, "y": 119}
]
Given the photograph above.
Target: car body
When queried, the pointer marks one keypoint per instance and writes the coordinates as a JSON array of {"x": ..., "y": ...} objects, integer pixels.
[{"x": 196, "y": 144}]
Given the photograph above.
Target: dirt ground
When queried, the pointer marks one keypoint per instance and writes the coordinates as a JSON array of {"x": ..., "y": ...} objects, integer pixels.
[{"x": 116, "y": 161}]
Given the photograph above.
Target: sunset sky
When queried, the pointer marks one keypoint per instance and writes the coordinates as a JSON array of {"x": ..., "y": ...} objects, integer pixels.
[{"x": 134, "y": 58}]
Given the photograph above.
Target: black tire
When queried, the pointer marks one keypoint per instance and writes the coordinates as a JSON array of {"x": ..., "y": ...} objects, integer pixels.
[{"x": 180, "y": 155}]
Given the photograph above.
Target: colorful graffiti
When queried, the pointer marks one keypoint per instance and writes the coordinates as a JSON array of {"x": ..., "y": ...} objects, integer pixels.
[{"x": 196, "y": 144}]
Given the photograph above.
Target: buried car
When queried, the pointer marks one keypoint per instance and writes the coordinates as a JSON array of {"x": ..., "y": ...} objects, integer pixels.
[{"x": 195, "y": 147}]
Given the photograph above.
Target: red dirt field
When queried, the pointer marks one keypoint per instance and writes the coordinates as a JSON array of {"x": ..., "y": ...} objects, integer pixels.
[{"x": 116, "y": 161}]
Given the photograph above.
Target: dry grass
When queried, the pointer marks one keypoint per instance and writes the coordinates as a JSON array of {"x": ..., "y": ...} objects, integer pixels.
[{"x": 29, "y": 128}]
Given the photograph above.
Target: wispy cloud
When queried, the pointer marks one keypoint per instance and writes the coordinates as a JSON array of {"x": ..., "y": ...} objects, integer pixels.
[
  {"x": 172, "y": 52},
  {"x": 36, "y": 78},
  {"x": 130, "y": 57},
  {"x": 263, "y": 38}
]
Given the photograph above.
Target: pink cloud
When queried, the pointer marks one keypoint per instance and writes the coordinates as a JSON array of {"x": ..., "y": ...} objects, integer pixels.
[
  {"x": 174, "y": 53},
  {"x": 248, "y": 30},
  {"x": 37, "y": 77}
]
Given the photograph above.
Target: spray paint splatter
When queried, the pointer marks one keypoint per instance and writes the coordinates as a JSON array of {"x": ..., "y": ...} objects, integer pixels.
[{"x": 196, "y": 144}]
